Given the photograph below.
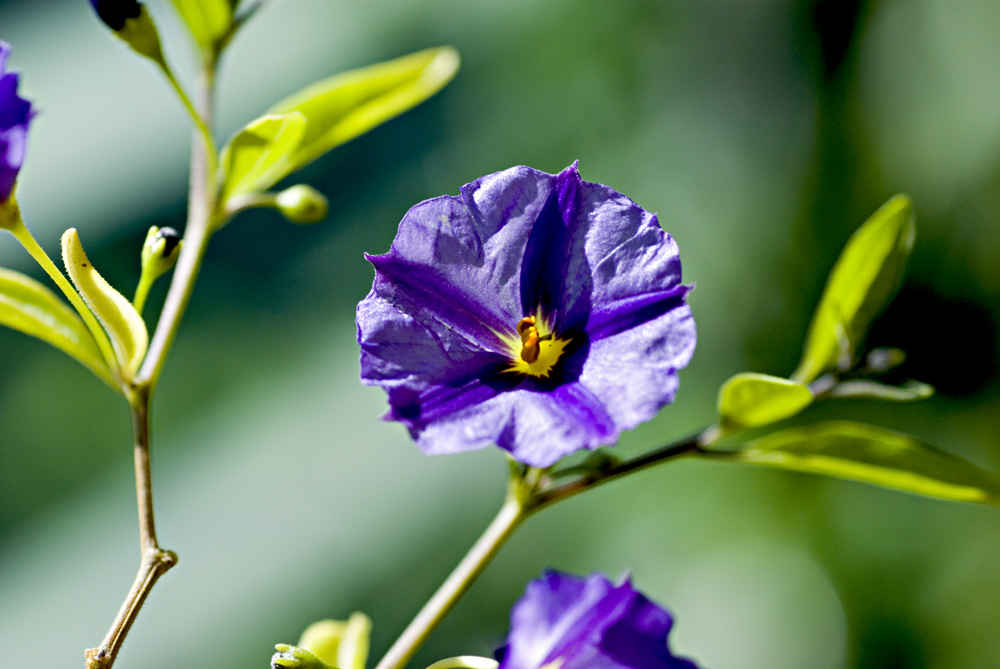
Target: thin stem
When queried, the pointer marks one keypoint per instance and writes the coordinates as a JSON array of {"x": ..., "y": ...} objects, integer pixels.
[
  {"x": 155, "y": 561},
  {"x": 511, "y": 514},
  {"x": 201, "y": 207},
  {"x": 199, "y": 119},
  {"x": 690, "y": 446}
]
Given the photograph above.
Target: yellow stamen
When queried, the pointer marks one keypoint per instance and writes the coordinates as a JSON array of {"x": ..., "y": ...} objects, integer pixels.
[{"x": 534, "y": 353}]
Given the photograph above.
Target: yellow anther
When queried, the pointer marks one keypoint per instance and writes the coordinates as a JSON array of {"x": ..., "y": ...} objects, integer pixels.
[{"x": 537, "y": 353}]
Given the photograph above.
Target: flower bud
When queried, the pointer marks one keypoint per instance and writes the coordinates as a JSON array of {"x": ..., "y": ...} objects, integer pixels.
[
  {"x": 132, "y": 23},
  {"x": 160, "y": 251},
  {"x": 301, "y": 204}
]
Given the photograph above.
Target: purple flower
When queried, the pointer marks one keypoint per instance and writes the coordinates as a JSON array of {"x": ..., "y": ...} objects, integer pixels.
[
  {"x": 114, "y": 13},
  {"x": 535, "y": 311},
  {"x": 15, "y": 113},
  {"x": 567, "y": 622}
]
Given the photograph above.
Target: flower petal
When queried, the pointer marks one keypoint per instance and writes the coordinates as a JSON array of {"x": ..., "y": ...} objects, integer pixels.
[{"x": 575, "y": 623}]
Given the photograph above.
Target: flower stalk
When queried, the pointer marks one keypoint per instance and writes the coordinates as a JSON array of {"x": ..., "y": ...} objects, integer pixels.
[{"x": 201, "y": 208}]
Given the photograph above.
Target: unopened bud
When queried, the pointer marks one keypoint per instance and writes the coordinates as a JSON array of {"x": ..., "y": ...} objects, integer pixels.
[
  {"x": 301, "y": 204},
  {"x": 160, "y": 251},
  {"x": 132, "y": 23},
  {"x": 293, "y": 657}
]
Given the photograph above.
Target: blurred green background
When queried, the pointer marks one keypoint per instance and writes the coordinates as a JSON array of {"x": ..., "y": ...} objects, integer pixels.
[{"x": 762, "y": 132}]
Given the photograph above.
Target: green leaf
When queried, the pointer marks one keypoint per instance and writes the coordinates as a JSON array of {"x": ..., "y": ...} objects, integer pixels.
[
  {"x": 120, "y": 320},
  {"x": 874, "y": 455},
  {"x": 208, "y": 20},
  {"x": 343, "y": 644},
  {"x": 909, "y": 391},
  {"x": 751, "y": 400},
  {"x": 862, "y": 282},
  {"x": 33, "y": 309},
  {"x": 261, "y": 154},
  {"x": 352, "y": 103}
]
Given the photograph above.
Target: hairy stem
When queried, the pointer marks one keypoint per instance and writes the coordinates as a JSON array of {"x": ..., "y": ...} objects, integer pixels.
[{"x": 513, "y": 511}]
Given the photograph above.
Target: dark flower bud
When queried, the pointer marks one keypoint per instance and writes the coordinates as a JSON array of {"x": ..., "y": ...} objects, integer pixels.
[
  {"x": 132, "y": 24},
  {"x": 114, "y": 13},
  {"x": 160, "y": 250}
]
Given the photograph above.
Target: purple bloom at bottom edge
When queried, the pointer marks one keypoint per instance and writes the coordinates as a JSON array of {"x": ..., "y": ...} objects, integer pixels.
[
  {"x": 15, "y": 113},
  {"x": 568, "y": 622},
  {"x": 534, "y": 311}
]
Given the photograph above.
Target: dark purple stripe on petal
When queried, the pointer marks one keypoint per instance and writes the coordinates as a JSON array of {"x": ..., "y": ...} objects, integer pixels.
[
  {"x": 625, "y": 314},
  {"x": 420, "y": 289}
]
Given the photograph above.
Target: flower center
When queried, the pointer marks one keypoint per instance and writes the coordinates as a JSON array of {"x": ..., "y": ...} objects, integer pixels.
[{"x": 536, "y": 350}]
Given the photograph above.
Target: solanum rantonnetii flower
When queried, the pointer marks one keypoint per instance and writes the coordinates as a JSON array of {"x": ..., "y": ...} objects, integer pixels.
[
  {"x": 535, "y": 311},
  {"x": 15, "y": 114},
  {"x": 567, "y": 622}
]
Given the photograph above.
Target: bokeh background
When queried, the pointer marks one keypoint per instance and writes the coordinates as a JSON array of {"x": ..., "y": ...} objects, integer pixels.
[{"x": 762, "y": 132}]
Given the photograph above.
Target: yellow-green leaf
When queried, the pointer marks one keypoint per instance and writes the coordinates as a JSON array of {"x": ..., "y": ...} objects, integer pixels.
[
  {"x": 33, "y": 309},
  {"x": 208, "y": 20},
  {"x": 874, "y": 455},
  {"x": 751, "y": 400},
  {"x": 349, "y": 104},
  {"x": 120, "y": 320},
  {"x": 341, "y": 643},
  {"x": 862, "y": 282},
  {"x": 261, "y": 154}
]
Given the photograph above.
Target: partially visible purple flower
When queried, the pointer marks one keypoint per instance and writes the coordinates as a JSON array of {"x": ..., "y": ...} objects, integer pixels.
[
  {"x": 114, "y": 13},
  {"x": 567, "y": 622},
  {"x": 15, "y": 113},
  {"x": 535, "y": 311}
]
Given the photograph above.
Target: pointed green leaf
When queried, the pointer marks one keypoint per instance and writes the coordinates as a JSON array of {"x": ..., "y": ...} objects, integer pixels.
[
  {"x": 862, "y": 282},
  {"x": 874, "y": 455},
  {"x": 33, "y": 309},
  {"x": 120, "y": 320},
  {"x": 261, "y": 154},
  {"x": 208, "y": 20},
  {"x": 751, "y": 400},
  {"x": 352, "y": 103},
  {"x": 909, "y": 391}
]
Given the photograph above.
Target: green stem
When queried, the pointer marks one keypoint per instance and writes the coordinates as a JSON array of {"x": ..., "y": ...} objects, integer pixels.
[
  {"x": 514, "y": 510},
  {"x": 196, "y": 117},
  {"x": 24, "y": 236},
  {"x": 200, "y": 224}
]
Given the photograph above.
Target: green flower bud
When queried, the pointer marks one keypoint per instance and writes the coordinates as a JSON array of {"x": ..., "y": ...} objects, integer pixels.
[
  {"x": 160, "y": 251},
  {"x": 301, "y": 204}
]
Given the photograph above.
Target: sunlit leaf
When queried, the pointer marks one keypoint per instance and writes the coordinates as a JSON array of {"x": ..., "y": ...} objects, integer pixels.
[
  {"x": 872, "y": 455},
  {"x": 862, "y": 282},
  {"x": 341, "y": 643},
  {"x": 911, "y": 390},
  {"x": 33, "y": 309},
  {"x": 751, "y": 400},
  {"x": 260, "y": 155},
  {"x": 121, "y": 321},
  {"x": 208, "y": 20},
  {"x": 349, "y": 104}
]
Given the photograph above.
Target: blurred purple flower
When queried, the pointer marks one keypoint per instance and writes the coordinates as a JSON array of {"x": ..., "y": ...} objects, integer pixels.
[
  {"x": 114, "y": 13},
  {"x": 15, "y": 113},
  {"x": 535, "y": 311},
  {"x": 567, "y": 622}
]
